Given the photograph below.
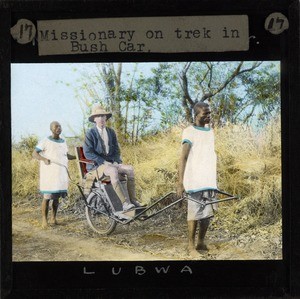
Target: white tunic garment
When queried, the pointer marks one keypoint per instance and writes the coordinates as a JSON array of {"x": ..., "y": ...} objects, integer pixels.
[
  {"x": 53, "y": 177},
  {"x": 201, "y": 167}
]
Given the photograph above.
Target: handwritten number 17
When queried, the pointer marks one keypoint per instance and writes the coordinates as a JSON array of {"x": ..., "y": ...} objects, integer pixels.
[
  {"x": 24, "y": 29},
  {"x": 278, "y": 20}
]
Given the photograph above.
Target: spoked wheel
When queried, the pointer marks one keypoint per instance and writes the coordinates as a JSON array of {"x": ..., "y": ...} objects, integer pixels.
[{"x": 101, "y": 223}]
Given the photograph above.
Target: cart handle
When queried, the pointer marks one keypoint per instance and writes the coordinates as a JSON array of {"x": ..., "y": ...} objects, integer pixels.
[
  {"x": 66, "y": 168},
  {"x": 184, "y": 197}
]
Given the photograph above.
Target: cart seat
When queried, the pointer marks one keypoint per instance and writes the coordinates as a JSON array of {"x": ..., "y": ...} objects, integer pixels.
[
  {"x": 83, "y": 162},
  {"x": 112, "y": 196}
]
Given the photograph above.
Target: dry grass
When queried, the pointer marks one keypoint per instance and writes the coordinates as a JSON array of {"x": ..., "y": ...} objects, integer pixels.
[
  {"x": 249, "y": 164},
  {"x": 155, "y": 160},
  {"x": 24, "y": 174}
]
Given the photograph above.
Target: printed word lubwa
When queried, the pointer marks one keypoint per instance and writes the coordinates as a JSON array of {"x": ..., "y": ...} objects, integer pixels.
[
  {"x": 140, "y": 270},
  {"x": 81, "y": 41}
]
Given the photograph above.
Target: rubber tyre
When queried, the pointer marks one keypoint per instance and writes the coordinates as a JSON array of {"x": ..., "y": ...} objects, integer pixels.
[{"x": 99, "y": 223}]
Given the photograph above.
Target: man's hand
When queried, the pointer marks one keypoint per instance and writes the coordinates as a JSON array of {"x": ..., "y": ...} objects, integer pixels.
[
  {"x": 71, "y": 157},
  {"x": 47, "y": 161},
  {"x": 180, "y": 190}
]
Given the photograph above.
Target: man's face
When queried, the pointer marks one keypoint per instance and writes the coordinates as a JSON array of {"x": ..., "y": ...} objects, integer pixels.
[
  {"x": 100, "y": 120},
  {"x": 56, "y": 128},
  {"x": 203, "y": 116}
]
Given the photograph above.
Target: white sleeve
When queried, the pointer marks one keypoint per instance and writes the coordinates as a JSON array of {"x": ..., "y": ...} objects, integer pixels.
[
  {"x": 41, "y": 145},
  {"x": 187, "y": 136}
]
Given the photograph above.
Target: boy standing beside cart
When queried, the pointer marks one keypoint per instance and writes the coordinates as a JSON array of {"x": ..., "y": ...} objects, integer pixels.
[
  {"x": 198, "y": 175},
  {"x": 53, "y": 178}
]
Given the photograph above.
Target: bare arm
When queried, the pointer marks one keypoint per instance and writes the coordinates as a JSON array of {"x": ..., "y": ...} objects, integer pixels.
[
  {"x": 70, "y": 157},
  {"x": 186, "y": 147},
  {"x": 37, "y": 156}
]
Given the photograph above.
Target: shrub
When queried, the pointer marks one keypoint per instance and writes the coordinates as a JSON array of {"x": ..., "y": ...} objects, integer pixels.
[{"x": 26, "y": 144}]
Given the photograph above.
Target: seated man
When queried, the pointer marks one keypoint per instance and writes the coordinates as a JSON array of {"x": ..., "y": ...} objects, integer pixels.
[{"x": 101, "y": 146}]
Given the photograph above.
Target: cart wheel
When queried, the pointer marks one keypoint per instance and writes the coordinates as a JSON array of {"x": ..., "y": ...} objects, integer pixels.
[{"x": 99, "y": 222}]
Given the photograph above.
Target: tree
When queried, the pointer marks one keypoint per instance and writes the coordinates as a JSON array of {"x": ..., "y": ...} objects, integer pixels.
[
  {"x": 127, "y": 93},
  {"x": 262, "y": 94},
  {"x": 164, "y": 94},
  {"x": 112, "y": 80},
  {"x": 231, "y": 88}
]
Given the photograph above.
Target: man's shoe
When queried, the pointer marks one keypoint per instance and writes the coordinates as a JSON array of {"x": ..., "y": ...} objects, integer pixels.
[
  {"x": 137, "y": 204},
  {"x": 127, "y": 206},
  {"x": 121, "y": 216}
]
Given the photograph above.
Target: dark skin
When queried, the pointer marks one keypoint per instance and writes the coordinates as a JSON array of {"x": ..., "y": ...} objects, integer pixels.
[
  {"x": 202, "y": 117},
  {"x": 56, "y": 130}
]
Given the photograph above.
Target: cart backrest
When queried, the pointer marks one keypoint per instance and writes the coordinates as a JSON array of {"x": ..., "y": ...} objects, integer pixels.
[{"x": 82, "y": 161}]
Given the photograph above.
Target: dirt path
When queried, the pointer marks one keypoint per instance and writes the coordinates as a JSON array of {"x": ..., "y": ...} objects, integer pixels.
[
  {"x": 53, "y": 245},
  {"x": 67, "y": 241},
  {"x": 160, "y": 238}
]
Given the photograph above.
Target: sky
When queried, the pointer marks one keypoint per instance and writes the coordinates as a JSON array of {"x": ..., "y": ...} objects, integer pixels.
[
  {"x": 42, "y": 93},
  {"x": 38, "y": 98}
]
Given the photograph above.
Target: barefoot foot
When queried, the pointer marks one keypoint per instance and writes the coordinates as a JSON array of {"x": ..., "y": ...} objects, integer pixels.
[
  {"x": 202, "y": 246},
  {"x": 44, "y": 224},
  {"x": 193, "y": 253},
  {"x": 53, "y": 222}
]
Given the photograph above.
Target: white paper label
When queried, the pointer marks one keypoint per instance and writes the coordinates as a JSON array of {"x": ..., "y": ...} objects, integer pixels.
[{"x": 144, "y": 35}]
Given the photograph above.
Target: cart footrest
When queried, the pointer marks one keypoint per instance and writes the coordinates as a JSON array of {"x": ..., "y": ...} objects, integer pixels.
[{"x": 113, "y": 198}]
